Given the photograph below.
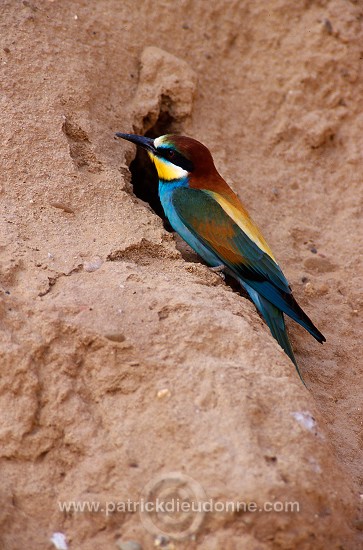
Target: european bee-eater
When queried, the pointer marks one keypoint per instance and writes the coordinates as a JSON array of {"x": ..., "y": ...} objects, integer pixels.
[{"x": 209, "y": 216}]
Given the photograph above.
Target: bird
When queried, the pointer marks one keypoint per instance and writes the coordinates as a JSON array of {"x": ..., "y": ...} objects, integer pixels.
[{"x": 203, "y": 209}]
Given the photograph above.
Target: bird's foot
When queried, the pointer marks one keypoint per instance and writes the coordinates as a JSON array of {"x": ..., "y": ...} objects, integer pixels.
[{"x": 219, "y": 270}]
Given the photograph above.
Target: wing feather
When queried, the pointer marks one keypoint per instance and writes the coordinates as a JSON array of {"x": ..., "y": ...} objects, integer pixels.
[
  {"x": 208, "y": 221},
  {"x": 218, "y": 232}
]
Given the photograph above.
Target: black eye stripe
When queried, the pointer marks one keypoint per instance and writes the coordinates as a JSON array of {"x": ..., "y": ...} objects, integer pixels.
[{"x": 175, "y": 157}]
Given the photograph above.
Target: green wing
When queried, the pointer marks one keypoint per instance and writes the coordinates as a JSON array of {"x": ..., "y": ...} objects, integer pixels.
[
  {"x": 212, "y": 226},
  {"x": 208, "y": 222}
]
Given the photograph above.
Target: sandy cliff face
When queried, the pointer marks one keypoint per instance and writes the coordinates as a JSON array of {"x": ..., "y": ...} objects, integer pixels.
[{"x": 128, "y": 369}]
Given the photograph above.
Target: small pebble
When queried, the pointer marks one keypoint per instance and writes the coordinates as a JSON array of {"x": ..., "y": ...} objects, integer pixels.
[
  {"x": 59, "y": 541},
  {"x": 93, "y": 264},
  {"x": 313, "y": 250},
  {"x": 128, "y": 545},
  {"x": 115, "y": 337},
  {"x": 161, "y": 541},
  {"x": 305, "y": 419},
  {"x": 162, "y": 394},
  {"x": 62, "y": 206}
]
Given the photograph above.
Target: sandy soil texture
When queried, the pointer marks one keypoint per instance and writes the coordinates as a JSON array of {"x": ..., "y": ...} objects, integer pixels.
[{"x": 128, "y": 369}]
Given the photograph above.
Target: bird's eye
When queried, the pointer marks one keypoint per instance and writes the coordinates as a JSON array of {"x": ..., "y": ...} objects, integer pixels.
[{"x": 171, "y": 153}]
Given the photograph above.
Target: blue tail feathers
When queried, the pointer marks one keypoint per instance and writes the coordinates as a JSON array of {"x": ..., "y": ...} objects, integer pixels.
[
  {"x": 286, "y": 303},
  {"x": 275, "y": 321}
]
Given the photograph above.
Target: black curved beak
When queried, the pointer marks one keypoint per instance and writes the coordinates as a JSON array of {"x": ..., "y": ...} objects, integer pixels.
[{"x": 142, "y": 141}]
